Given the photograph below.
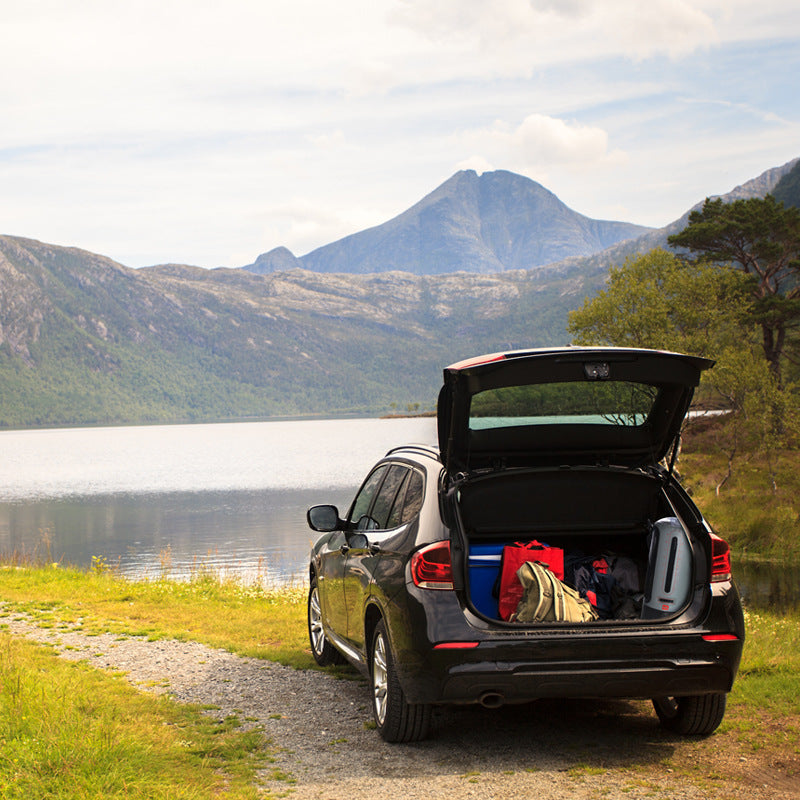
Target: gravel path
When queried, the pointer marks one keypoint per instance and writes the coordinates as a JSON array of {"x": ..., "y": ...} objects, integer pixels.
[{"x": 319, "y": 725}]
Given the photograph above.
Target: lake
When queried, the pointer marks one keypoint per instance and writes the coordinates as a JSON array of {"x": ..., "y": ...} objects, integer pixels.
[{"x": 169, "y": 499}]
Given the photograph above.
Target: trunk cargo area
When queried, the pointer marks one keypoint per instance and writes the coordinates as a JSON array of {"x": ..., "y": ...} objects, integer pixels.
[{"x": 611, "y": 535}]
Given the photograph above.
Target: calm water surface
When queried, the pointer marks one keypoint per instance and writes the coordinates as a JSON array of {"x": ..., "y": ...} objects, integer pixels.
[{"x": 168, "y": 499}]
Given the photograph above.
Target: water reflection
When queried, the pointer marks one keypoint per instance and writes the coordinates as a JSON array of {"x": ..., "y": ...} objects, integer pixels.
[
  {"x": 769, "y": 585},
  {"x": 248, "y": 532},
  {"x": 230, "y": 495},
  {"x": 281, "y": 454}
]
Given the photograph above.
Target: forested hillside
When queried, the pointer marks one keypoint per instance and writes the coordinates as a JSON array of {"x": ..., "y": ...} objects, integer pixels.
[{"x": 86, "y": 340}]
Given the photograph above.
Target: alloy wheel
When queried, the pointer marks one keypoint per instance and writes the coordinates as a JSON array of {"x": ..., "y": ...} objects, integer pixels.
[
  {"x": 315, "y": 622},
  {"x": 380, "y": 682}
]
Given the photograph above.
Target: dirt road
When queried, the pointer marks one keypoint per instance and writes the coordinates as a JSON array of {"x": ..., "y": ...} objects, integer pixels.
[{"x": 326, "y": 747}]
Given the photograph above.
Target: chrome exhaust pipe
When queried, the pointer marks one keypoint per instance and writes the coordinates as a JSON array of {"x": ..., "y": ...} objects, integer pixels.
[{"x": 491, "y": 700}]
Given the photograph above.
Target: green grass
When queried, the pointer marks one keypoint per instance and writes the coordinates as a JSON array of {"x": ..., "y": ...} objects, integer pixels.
[
  {"x": 245, "y": 619},
  {"x": 769, "y": 675},
  {"x": 65, "y": 724},
  {"x": 69, "y": 731},
  {"x": 271, "y": 623},
  {"x": 757, "y": 509}
]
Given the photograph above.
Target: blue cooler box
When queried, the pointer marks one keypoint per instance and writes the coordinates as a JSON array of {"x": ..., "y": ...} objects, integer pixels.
[{"x": 484, "y": 570}]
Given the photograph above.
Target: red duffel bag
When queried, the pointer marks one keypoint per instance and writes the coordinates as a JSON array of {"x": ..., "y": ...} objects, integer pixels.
[{"x": 514, "y": 556}]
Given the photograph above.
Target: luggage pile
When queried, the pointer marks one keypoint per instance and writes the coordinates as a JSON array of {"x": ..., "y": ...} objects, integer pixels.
[
  {"x": 534, "y": 582},
  {"x": 546, "y": 586}
]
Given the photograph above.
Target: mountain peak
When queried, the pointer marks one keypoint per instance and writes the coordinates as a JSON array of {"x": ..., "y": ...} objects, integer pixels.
[
  {"x": 279, "y": 259},
  {"x": 493, "y": 222}
]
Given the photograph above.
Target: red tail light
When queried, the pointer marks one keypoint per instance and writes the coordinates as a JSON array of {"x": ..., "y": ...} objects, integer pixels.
[
  {"x": 431, "y": 567},
  {"x": 456, "y": 645},
  {"x": 720, "y": 559}
]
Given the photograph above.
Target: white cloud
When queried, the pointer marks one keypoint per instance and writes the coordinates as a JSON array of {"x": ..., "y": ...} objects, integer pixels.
[
  {"x": 327, "y": 141},
  {"x": 477, "y": 163},
  {"x": 539, "y": 144},
  {"x": 530, "y": 32},
  {"x": 195, "y": 131},
  {"x": 672, "y": 27},
  {"x": 744, "y": 20}
]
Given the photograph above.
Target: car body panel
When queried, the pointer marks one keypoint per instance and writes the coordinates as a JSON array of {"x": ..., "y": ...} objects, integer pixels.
[
  {"x": 642, "y": 660},
  {"x": 330, "y": 573}
]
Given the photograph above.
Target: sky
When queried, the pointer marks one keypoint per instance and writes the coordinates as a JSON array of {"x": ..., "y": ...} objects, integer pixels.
[{"x": 206, "y": 133}]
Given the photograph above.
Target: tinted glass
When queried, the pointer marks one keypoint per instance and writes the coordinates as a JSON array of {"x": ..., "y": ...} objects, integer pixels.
[
  {"x": 386, "y": 497},
  {"x": 586, "y": 402},
  {"x": 412, "y": 502},
  {"x": 396, "y": 514},
  {"x": 358, "y": 515}
]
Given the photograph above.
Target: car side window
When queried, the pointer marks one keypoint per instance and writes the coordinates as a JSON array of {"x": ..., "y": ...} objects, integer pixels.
[
  {"x": 358, "y": 515},
  {"x": 408, "y": 502},
  {"x": 396, "y": 514},
  {"x": 387, "y": 495},
  {"x": 412, "y": 503}
]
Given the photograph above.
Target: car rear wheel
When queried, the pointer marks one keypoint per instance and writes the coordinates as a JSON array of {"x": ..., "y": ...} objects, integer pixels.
[
  {"x": 396, "y": 719},
  {"x": 323, "y": 651},
  {"x": 696, "y": 715}
]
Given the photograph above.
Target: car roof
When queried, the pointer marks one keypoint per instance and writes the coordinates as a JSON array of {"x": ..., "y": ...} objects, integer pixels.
[{"x": 427, "y": 450}]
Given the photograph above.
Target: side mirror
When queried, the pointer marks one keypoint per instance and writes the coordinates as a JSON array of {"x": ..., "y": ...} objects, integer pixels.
[
  {"x": 323, "y": 518},
  {"x": 358, "y": 541}
]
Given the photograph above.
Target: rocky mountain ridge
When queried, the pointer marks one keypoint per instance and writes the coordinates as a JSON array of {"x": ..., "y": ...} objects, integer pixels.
[
  {"x": 767, "y": 182},
  {"x": 85, "y": 340},
  {"x": 494, "y": 222}
]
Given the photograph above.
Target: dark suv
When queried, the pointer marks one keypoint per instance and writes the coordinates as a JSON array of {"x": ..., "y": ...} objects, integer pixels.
[{"x": 573, "y": 448}]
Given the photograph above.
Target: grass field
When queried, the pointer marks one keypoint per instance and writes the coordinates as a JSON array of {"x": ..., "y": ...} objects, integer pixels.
[
  {"x": 270, "y": 623},
  {"x": 757, "y": 507},
  {"x": 71, "y": 732}
]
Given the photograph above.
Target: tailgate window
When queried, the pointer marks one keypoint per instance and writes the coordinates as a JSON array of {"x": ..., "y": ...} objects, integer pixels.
[{"x": 588, "y": 402}]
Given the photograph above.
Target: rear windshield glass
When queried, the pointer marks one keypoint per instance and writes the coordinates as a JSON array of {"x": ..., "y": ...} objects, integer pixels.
[{"x": 586, "y": 402}]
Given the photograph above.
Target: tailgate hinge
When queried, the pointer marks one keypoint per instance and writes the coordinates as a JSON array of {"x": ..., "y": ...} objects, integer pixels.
[{"x": 676, "y": 446}]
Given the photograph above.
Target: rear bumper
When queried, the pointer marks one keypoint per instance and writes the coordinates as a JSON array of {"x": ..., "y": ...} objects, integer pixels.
[
  {"x": 641, "y": 661},
  {"x": 515, "y": 683}
]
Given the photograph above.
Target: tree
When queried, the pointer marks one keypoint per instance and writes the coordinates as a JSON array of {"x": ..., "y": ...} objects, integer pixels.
[
  {"x": 761, "y": 238},
  {"x": 787, "y": 190},
  {"x": 765, "y": 417},
  {"x": 656, "y": 300}
]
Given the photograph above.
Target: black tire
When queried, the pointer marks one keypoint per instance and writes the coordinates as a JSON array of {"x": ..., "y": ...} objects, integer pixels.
[
  {"x": 397, "y": 720},
  {"x": 696, "y": 715},
  {"x": 323, "y": 651}
]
